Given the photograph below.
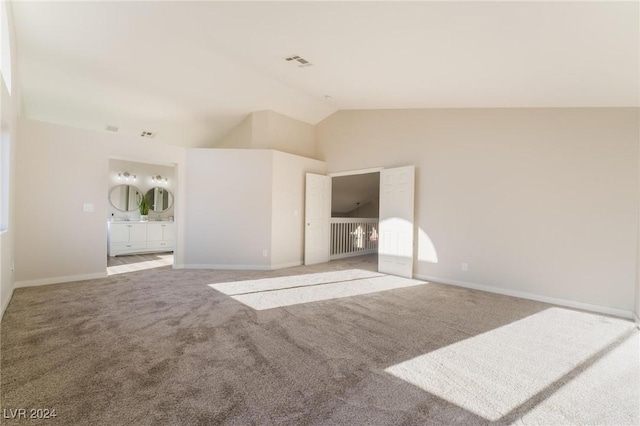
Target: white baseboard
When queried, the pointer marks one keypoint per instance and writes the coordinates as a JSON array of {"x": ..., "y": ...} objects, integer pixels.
[
  {"x": 286, "y": 265},
  {"x": 531, "y": 296},
  {"x": 58, "y": 280},
  {"x": 5, "y": 304}
]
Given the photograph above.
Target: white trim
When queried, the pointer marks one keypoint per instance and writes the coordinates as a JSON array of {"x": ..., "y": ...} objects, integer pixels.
[
  {"x": 635, "y": 316},
  {"x": 287, "y": 265},
  {"x": 356, "y": 172},
  {"x": 5, "y": 305},
  {"x": 562, "y": 302},
  {"x": 57, "y": 280}
]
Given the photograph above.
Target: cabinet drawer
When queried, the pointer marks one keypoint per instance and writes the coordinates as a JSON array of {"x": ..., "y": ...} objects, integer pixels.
[
  {"x": 160, "y": 245},
  {"x": 128, "y": 246}
]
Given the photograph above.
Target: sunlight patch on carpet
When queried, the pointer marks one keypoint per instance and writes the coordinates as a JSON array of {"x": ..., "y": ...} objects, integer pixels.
[
  {"x": 610, "y": 388},
  {"x": 495, "y": 373},
  {"x": 272, "y": 293},
  {"x": 140, "y": 266}
]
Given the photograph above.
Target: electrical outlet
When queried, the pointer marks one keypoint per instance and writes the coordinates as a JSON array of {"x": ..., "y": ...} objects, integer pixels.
[{"x": 465, "y": 266}]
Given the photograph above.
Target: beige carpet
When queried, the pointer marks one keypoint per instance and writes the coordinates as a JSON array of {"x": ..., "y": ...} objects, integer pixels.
[
  {"x": 166, "y": 347},
  {"x": 269, "y": 293}
]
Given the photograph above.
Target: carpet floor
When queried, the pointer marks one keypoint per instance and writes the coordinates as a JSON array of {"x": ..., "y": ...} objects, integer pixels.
[{"x": 332, "y": 344}]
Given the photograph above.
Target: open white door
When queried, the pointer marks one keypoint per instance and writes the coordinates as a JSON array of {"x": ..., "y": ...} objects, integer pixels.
[
  {"x": 395, "y": 245},
  {"x": 317, "y": 216}
]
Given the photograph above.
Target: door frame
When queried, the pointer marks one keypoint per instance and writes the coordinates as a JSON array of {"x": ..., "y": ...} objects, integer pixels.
[
  {"x": 396, "y": 239},
  {"x": 312, "y": 239},
  {"x": 355, "y": 172},
  {"x": 178, "y": 208},
  {"x": 378, "y": 170}
]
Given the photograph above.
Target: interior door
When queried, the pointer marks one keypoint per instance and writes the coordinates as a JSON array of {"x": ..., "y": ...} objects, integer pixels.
[
  {"x": 395, "y": 245},
  {"x": 317, "y": 215}
]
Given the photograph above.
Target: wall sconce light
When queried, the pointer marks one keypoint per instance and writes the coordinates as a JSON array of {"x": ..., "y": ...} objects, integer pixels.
[
  {"x": 126, "y": 176},
  {"x": 159, "y": 179}
]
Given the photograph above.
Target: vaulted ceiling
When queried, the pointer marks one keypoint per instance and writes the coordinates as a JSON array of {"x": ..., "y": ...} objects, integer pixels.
[
  {"x": 353, "y": 191},
  {"x": 191, "y": 71}
]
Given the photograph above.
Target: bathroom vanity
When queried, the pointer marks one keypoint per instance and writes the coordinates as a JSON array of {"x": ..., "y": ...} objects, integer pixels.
[
  {"x": 135, "y": 236},
  {"x": 140, "y": 237}
]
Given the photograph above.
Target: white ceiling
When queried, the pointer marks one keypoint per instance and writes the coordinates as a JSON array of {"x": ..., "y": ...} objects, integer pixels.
[{"x": 191, "y": 71}]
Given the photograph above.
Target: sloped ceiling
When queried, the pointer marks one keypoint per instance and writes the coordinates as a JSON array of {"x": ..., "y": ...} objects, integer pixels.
[
  {"x": 348, "y": 191},
  {"x": 191, "y": 71}
]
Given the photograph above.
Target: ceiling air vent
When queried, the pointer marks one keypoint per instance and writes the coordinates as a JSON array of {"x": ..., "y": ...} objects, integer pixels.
[
  {"x": 302, "y": 62},
  {"x": 111, "y": 128},
  {"x": 148, "y": 135}
]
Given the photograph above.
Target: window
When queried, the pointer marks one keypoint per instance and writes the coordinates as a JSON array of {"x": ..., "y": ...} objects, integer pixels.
[
  {"x": 4, "y": 177},
  {"x": 5, "y": 47},
  {"x": 5, "y": 134}
]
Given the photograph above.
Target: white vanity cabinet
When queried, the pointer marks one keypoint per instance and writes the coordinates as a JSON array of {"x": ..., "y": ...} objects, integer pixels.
[
  {"x": 139, "y": 237},
  {"x": 160, "y": 235}
]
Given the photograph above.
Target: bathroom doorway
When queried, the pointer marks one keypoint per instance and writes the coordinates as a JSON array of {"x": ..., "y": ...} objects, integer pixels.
[{"x": 141, "y": 231}]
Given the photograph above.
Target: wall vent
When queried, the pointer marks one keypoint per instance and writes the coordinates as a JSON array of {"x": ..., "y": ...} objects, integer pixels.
[
  {"x": 111, "y": 128},
  {"x": 302, "y": 62},
  {"x": 148, "y": 135}
]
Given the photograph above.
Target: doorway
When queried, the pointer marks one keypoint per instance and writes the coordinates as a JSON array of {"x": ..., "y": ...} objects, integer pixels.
[
  {"x": 395, "y": 227},
  {"x": 141, "y": 231},
  {"x": 355, "y": 209}
]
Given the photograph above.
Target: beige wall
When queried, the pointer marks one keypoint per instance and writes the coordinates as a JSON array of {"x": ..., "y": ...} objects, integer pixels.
[
  {"x": 240, "y": 137},
  {"x": 270, "y": 130},
  {"x": 289, "y": 135},
  {"x": 367, "y": 210},
  {"x": 245, "y": 208},
  {"x": 538, "y": 202},
  {"x": 62, "y": 168},
  {"x": 228, "y": 209},
  {"x": 287, "y": 228},
  {"x": 224, "y": 218}
]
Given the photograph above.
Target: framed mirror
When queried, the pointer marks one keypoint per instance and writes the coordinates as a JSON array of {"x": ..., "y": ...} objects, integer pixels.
[
  {"x": 125, "y": 198},
  {"x": 160, "y": 199}
]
